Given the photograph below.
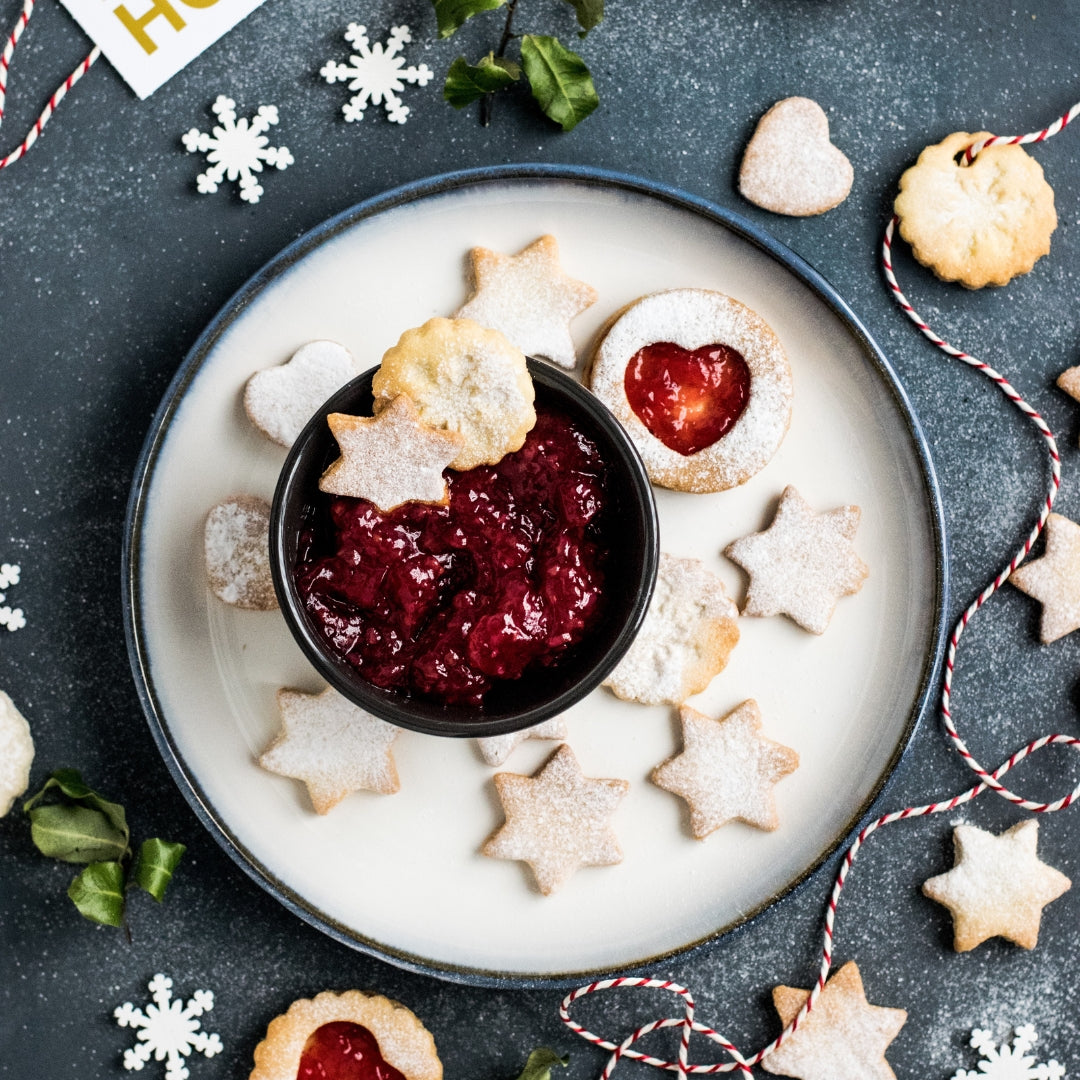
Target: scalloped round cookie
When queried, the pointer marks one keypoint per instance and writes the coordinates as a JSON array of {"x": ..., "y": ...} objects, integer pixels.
[
  {"x": 462, "y": 378},
  {"x": 978, "y": 224},
  {"x": 690, "y": 321},
  {"x": 402, "y": 1041}
]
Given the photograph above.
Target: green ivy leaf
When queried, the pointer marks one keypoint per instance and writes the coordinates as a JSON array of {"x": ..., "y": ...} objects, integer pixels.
[
  {"x": 451, "y": 14},
  {"x": 76, "y": 834},
  {"x": 466, "y": 82},
  {"x": 98, "y": 893},
  {"x": 157, "y": 861},
  {"x": 590, "y": 14},
  {"x": 70, "y": 783},
  {"x": 540, "y": 1062},
  {"x": 560, "y": 81}
]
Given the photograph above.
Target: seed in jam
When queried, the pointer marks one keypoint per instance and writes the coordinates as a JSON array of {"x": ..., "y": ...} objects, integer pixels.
[
  {"x": 343, "y": 1050},
  {"x": 688, "y": 400},
  {"x": 446, "y": 601}
]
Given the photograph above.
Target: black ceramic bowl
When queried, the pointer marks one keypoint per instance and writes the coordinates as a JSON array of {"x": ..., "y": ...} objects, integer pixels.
[{"x": 630, "y": 534}]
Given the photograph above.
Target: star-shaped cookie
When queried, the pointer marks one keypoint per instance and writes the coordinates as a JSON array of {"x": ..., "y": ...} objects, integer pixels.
[
  {"x": 843, "y": 1037},
  {"x": 529, "y": 298},
  {"x": 802, "y": 563},
  {"x": 1054, "y": 579},
  {"x": 333, "y": 746},
  {"x": 557, "y": 821},
  {"x": 727, "y": 770},
  {"x": 391, "y": 458},
  {"x": 495, "y": 749},
  {"x": 998, "y": 886}
]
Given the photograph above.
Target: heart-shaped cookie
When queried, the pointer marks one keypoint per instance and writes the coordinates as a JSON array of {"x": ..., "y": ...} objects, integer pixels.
[
  {"x": 980, "y": 223},
  {"x": 342, "y": 1050},
  {"x": 280, "y": 400},
  {"x": 688, "y": 399},
  {"x": 790, "y": 166}
]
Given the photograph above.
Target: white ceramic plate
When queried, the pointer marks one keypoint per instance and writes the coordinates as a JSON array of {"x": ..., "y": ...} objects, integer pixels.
[{"x": 400, "y": 875}]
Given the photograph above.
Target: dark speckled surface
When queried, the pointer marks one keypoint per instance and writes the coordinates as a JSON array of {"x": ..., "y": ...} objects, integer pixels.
[{"x": 110, "y": 266}]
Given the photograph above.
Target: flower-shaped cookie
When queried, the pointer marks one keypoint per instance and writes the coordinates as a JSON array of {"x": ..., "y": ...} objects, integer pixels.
[{"x": 979, "y": 224}]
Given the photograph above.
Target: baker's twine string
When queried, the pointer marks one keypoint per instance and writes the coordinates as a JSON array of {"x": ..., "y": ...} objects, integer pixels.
[
  {"x": 988, "y": 781},
  {"x": 58, "y": 95}
]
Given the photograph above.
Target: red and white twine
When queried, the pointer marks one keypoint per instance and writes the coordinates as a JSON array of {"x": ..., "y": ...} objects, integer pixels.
[
  {"x": 988, "y": 781},
  {"x": 58, "y": 94}
]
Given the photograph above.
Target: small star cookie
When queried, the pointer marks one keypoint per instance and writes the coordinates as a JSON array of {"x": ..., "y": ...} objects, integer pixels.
[
  {"x": 236, "y": 544},
  {"x": 685, "y": 640},
  {"x": 391, "y": 458},
  {"x": 802, "y": 563},
  {"x": 333, "y": 746},
  {"x": 727, "y": 770},
  {"x": 557, "y": 821},
  {"x": 280, "y": 400},
  {"x": 1069, "y": 381},
  {"x": 529, "y": 298},
  {"x": 1054, "y": 579},
  {"x": 843, "y": 1037},
  {"x": 998, "y": 886},
  {"x": 497, "y": 748}
]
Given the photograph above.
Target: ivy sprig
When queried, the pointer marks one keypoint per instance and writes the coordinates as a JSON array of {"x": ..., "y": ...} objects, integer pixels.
[
  {"x": 559, "y": 78},
  {"x": 80, "y": 826}
]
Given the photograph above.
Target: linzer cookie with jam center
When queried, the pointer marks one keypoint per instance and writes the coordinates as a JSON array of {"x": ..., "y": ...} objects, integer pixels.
[{"x": 701, "y": 384}]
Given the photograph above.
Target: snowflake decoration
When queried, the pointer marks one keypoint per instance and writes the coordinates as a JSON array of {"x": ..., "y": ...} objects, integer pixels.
[
  {"x": 1009, "y": 1062},
  {"x": 168, "y": 1031},
  {"x": 237, "y": 149},
  {"x": 10, "y": 617},
  {"x": 376, "y": 75}
]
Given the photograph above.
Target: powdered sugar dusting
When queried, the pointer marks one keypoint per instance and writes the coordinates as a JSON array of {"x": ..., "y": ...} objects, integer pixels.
[
  {"x": 237, "y": 544},
  {"x": 693, "y": 318},
  {"x": 16, "y": 753},
  {"x": 497, "y": 748}
]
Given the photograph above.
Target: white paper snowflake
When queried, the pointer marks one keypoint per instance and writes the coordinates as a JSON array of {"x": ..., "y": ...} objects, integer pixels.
[
  {"x": 168, "y": 1031},
  {"x": 376, "y": 75},
  {"x": 10, "y": 617},
  {"x": 1009, "y": 1063},
  {"x": 237, "y": 149}
]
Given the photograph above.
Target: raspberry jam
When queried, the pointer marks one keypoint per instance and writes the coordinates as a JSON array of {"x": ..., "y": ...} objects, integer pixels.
[
  {"x": 343, "y": 1050},
  {"x": 443, "y": 602},
  {"x": 688, "y": 400}
]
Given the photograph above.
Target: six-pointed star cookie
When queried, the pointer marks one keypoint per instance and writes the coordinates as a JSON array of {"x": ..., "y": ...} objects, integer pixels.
[
  {"x": 1054, "y": 579},
  {"x": 557, "y": 820},
  {"x": 333, "y": 746},
  {"x": 529, "y": 298},
  {"x": 843, "y": 1037},
  {"x": 390, "y": 459},
  {"x": 727, "y": 769},
  {"x": 998, "y": 886},
  {"x": 802, "y": 563},
  {"x": 497, "y": 748}
]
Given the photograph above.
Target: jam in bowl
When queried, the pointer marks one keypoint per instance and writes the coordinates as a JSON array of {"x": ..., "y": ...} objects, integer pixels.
[{"x": 487, "y": 615}]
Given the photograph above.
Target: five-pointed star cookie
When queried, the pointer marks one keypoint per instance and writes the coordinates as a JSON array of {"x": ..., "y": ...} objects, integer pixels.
[
  {"x": 529, "y": 298},
  {"x": 802, "y": 563},
  {"x": 843, "y": 1037},
  {"x": 391, "y": 458},
  {"x": 333, "y": 746},
  {"x": 997, "y": 887},
  {"x": 1054, "y": 579},
  {"x": 557, "y": 820},
  {"x": 495, "y": 749},
  {"x": 727, "y": 769}
]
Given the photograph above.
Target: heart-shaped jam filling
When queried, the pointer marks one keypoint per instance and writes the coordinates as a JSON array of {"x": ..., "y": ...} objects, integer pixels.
[
  {"x": 688, "y": 400},
  {"x": 343, "y": 1050}
]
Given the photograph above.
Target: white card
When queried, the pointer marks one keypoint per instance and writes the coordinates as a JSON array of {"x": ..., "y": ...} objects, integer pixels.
[{"x": 149, "y": 41}]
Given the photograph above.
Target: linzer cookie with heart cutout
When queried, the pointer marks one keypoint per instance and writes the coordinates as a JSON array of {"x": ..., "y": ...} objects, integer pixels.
[{"x": 701, "y": 384}]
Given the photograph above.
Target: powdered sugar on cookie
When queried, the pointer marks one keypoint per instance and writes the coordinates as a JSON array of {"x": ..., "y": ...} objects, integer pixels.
[
  {"x": 391, "y": 458},
  {"x": 557, "y": 821},
  {"x": 280, "y": 400},
  {"x": 16, "y": 753},
  {"x": 688, "y": 634},
  {"x": 237, "y": 546},
  {"x": 802, "y": 564},
  {"x": 495, "y": 749},
  {"x": 334, "y": 746},
  {"x": 1054, "y": 579}
]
